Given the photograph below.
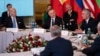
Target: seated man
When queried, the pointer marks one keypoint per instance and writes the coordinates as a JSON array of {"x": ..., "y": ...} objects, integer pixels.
[
  {"x": 58, "y": 46},
  {"x": 52, "y": 20},
  {"x": 88, "y": 22},
  {"x": 14, "y": 21},
  {"x": 94, "y": 50}
]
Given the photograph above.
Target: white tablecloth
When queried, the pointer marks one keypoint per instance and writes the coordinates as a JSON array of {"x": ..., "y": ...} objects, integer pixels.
[
  {"x": 29, "y": 53},
  {"x": 7, "y": 37}
]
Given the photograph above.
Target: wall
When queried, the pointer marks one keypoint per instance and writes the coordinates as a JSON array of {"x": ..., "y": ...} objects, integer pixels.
[{"x": 40, "y": 6}]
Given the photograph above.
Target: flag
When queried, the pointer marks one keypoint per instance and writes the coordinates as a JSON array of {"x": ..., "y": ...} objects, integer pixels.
[
  {"x": 78, "y": 6},
  {"x": 60, "y": 6},
  {"x": 88, "y": 4},
  {"x": 96, "y": 6},
  {"x": 57, "y": 6}
]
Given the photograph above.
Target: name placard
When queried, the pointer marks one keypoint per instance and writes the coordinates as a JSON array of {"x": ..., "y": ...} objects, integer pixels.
[
  {"x": 12, "y": 29},
  {"x": 63, "y": 32},
  {"x": 39, "y": 30}
]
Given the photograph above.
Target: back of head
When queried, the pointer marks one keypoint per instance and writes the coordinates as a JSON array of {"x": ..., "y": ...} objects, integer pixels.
[{"x": 55, "y": 31}]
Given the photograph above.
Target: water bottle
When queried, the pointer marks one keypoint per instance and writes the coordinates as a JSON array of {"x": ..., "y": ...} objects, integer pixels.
[
  {"x": 34, "y": 24},
  {"x": 85, "y": 41},
  {"x": 61, "y": 27},
  {"x": 89, "y": 33}
]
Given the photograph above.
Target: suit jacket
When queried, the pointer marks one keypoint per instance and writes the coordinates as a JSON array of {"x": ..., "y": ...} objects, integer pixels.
[
  {"x": 91, "y": 24},
  {"x": 58, "y": 47},
  {"x": 58, "y": 21},
  {"x": 98, "y": 18},
  {"x": 8, "y": 23},
  {"x": 4, "y": 17},
  {"x": 94, "y": 50},
  {"x": 70, "y": 25}
]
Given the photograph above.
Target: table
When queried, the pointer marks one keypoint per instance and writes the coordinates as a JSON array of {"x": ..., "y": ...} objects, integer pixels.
[
  {"x": 28, "y": 53},
  {"x": 7, "y": 37}
]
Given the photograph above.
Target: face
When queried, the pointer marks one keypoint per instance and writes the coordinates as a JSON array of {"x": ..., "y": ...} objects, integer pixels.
[
  {"x": 9, "y": 7},
  {"x": 52, "y": 13},
  {"x": 68, "y": 8},
  {"x": 13, "y": 12},
  {"x": 85, "y": 15},
  {"x": 49, "y": 7}
]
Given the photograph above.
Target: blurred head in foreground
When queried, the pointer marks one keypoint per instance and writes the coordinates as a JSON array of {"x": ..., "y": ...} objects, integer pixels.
[
  {"x": 55, "y": 31},
  {"x": 2, "y": 27}
]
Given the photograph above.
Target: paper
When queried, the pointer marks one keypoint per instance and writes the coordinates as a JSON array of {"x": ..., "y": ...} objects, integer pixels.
[
  {"x": 64, "y": 32},
  {"x": 12, "y": 29},
  {"x": 39, "y": 30},
  {"x": 37, "y": 50}
]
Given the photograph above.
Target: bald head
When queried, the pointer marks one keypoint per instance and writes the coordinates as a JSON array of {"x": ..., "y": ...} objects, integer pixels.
[
  {"x": 68, "y": 7},
  {"x": 55, "y": 31},
  {"x": 12, "y": 12},
  {"x": 52, "y": 13}
]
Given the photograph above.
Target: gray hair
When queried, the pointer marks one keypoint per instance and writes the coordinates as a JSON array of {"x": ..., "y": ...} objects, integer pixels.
[
  {"x": 88, "y": 11},
  {"x": 55, "y": 30}
]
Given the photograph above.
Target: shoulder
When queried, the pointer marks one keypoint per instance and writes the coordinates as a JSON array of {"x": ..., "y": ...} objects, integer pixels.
[
  {"x": 65, "y": 13},
  {"x": 74, "y": 12},
  {"x": 5, "y": 12},
  {"x": 58, "y": 18},
  {"x": 92, "y": 19},
  {"x": 59, "y": 39}
]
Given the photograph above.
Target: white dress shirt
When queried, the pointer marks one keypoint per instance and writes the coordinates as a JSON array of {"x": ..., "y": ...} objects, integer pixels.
[{"x": 52, "y": 20}]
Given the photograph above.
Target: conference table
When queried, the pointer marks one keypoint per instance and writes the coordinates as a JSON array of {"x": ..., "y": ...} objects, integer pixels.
[{"x": 7, "y": 37}]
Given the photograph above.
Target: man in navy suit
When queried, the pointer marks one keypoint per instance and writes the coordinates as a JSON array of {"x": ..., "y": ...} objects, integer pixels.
[
  {"x": 94, "y": 50},
  {"x": 58, "y": 46},
  {"x": 88, "y": 22},
  {"x": 14, "y": 21},
  {"x": 52, "y": 20}
]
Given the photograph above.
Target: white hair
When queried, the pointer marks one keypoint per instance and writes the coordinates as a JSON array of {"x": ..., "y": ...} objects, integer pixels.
[
  {"x": 98, "y": 26},
  {"x": 55, "y": 30}
]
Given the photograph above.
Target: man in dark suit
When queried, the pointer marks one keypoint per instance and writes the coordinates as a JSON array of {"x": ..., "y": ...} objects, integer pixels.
[
  {"x": 88, "y": 22},
  {"x": 94, "y": 50},
  {"x": 6, "y": 14},
  {"x": 58, "y": 46},
  {"x": 70, "y": 19},
  {"x": 13, "y": 21},
  {"x": 98, "y": 18},
  {"x": 52, "y": 20}
]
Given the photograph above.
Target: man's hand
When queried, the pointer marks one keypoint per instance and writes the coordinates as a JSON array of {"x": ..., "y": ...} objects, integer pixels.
[{"x": 71, "y": 20}]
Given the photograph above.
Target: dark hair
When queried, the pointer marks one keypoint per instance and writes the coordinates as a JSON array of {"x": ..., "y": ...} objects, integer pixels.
[
  {"x": 9, "y": 5},
  {"x": 48, "y": 5}
]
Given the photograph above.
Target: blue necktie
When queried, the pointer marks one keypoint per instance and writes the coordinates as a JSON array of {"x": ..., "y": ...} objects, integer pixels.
[{"x": 14, "y": 23}]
